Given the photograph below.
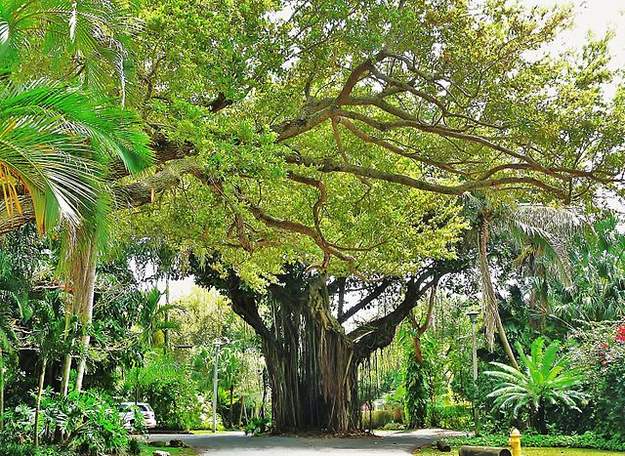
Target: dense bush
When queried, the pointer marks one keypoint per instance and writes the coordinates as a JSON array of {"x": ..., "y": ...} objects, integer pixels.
[
  {"x": 377, "y": 419},
  {"x": 19, "y": 449},
  {"x": 587, "y": 440},
  {"x": 455, "y": 416},
  {"x": 600, "y": 352},
  {"x": 168, "y": 388},
  {"x": 88, "y": 421}
]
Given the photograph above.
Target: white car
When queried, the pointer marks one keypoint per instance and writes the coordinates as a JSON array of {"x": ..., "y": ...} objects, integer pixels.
[{"x": 127, "y": 414}]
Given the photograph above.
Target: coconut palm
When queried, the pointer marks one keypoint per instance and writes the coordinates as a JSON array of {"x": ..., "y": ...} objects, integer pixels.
[
  {"x": 83, "y": 43},
  {"x": 541, "y": 233},
  {"x": 544, "y": 378}
]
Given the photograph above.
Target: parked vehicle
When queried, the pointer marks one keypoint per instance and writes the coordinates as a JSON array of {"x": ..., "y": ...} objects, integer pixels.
[{"x": 127, "y": 414}]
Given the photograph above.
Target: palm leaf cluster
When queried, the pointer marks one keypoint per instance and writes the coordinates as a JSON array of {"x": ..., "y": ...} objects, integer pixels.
[
  {"x": 54, "y": 142},
  {"x": 544, "y": 378},
  {"x": 86, "y": 39}
]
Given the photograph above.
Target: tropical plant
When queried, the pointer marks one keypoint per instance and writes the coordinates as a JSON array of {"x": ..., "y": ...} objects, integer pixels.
[
  {"x": 154, "y": 319},
  {"x": 167, "y": 386},
  {"x": 545, "y": 379},
  {"x": 598, "y": 262},
  {"x": 541, "y": 234}
]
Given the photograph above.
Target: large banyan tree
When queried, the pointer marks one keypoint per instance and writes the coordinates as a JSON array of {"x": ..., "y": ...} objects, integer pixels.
[
  {"x": 317, "y": 331},
  {"x": 342, "y": 134}
]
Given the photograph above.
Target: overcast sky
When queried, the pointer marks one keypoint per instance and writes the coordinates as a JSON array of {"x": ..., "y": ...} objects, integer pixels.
[{"x": 596, "y": 16}]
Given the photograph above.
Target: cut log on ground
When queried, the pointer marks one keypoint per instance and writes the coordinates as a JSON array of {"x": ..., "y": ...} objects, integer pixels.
[{"x": 483, "y": 451}]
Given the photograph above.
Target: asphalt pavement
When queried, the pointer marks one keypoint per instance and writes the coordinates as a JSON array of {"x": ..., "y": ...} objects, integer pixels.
[{"x": 385, "y": 443}]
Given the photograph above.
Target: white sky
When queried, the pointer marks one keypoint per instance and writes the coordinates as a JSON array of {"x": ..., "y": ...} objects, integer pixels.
[{"x": 595, "y": 16}]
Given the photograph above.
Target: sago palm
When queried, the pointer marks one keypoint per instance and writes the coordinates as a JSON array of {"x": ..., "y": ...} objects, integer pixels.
[{"x": 544, "y": 378}]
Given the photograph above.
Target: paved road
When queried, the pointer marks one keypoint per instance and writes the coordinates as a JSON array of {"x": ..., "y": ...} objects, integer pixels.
[{"x": 237, "y": 444}]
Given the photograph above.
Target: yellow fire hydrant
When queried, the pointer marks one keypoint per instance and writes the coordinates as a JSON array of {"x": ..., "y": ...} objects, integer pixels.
[{"x": 515, "y": 442}]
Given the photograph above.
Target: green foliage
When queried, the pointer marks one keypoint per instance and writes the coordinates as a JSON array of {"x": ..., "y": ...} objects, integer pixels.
[
  {"x": 257, "y": 426},
  {"x": 417, "y": 397},
  {"x": 377, "y": 419},
  {"x": 89, "y": 422},
  {"x": 545, "y": 379},
  {"x": 600, "y": 353},
  {"x": 586, "y": 440},
  {"x": 598, "y": 275},
  {"x": 25, "y": 449},
  {"x": 167, "y": 386},
  {"x": 453, "y": 416},
  {"x": 134, "y": 447}
]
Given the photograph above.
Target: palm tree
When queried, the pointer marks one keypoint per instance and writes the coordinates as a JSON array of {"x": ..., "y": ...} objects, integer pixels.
[
  {"x": 598, "y": 260},
  {"x": 541, "y": 233},
  {"x": 7, "y": 339},
  {"x": 54, "y": 144},
  {"x": 544, "y": 378},
  {"x": 154, "y": 321},
  {"x": 88, "y": 41}
]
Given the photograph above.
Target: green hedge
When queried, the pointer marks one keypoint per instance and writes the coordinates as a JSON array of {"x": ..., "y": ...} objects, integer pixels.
[
  {"x": 586, "y": 440},
  {"x": 380, "y": 418}
]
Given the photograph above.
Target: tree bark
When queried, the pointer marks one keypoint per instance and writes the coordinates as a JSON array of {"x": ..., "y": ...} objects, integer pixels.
[
  {"x": 42, "y": 376},
  {"x": 85, "y": 304},
  {"x": 491, "y": 308},
  {"x": 312, "y": 363},
  {"x": 310, "y": 360},
  {"x": 311, "y": 368}
]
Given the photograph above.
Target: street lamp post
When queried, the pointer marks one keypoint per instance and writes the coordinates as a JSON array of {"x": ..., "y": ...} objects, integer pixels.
[
  {"x": 472, "y": 314},
  {"x": 221, "y": 341}
]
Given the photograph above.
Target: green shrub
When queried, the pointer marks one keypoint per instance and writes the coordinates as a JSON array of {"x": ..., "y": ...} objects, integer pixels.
[
  {"x": 89, "y": 420},
  {"x": 587, "y": 440},
  {"x": 257, "y": 426},
  {"x": 134, "y": 447},
  {"x": 168, "y": 388},
  {"x": 377, "y": 419},
  {"x": 15, "y": 449},
  {"x": 456, "y": 416},
  {"x": 393, "y": 426}
]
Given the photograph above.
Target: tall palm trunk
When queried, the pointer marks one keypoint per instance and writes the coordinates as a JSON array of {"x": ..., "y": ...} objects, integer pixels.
[
  {"x": 1, "y": 389},
  {"x": 84, "y": 302},
  {"x": 491, "y": 309},
  {"x": 42, "y": 376},
  {"x": 80, "y": 266},
  {"x": 68, "y": 334}
]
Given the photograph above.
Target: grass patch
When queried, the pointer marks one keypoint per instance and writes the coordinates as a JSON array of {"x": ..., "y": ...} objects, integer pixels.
[
  {"x": 536, "y": 452},
  {"x": 148, "y": 450}
]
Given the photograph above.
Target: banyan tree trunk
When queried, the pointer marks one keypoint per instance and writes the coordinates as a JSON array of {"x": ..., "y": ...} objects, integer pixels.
[{"x": 311, "y": 366}]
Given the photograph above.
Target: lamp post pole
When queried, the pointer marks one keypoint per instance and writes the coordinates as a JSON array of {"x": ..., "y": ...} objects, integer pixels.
[
  {"x": 472, "y": 314},
  {"x": 218, "y": 343}
]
